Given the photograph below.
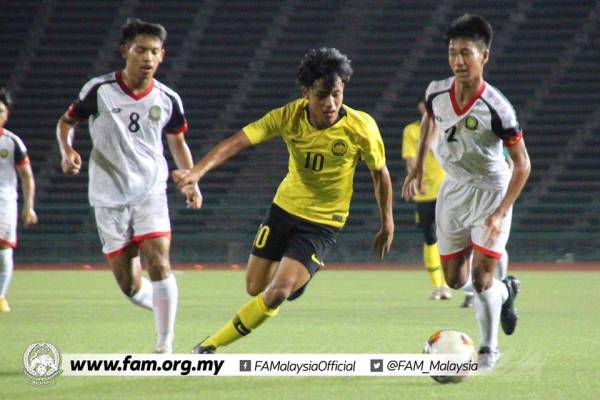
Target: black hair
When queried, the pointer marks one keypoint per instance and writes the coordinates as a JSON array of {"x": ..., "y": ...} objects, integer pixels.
[
  {"x": 136, "y": 26},
  {"x": 5, "y": 97},
  {"x": 326, "y": 63},
  {"x": 472, "y": 27}
]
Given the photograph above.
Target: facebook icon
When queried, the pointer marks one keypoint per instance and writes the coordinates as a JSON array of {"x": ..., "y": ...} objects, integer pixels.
[{"x": 245, "y": 365}]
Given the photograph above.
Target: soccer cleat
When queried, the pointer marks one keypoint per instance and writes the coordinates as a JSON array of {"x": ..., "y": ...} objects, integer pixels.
[
  {"x": 445, "y": 293},
  {"x": 436, "y": 294},
  {"x": 163, "y": 348},
  {"x": 487, "y": 359},
  {"x": 468, "y": 301},
  {"x": 4, "y": 307},
  {"x": 508, "y": 315},
  {"x": 200, "y": 349}
]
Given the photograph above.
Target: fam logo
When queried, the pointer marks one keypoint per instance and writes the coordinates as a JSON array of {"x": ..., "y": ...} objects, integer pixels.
[
  {"x": 4, "y": 153},
  {"x": 471, "y": 123},
  {"x": 41, "y": 363},
  {"x": 339, "y": 147},
  {"x": 154, "y": 113}
]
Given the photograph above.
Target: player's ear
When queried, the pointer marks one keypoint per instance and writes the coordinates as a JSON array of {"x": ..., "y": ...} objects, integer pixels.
[
  {"x": 124, "y": 49},
  {"x": 485, "y": 56},
  {"x": 162, "y": 54},
  {"x": 305, "y": 92}
]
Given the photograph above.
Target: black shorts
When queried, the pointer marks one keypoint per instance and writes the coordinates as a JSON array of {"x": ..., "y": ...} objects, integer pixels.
[{"x": 282, "y": 234}]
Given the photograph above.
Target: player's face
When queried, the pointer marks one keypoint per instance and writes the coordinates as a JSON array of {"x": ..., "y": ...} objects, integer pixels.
[
  {"x": 143, "y": 56},
  {"x": 466, "y": 58},
  {"x": 324, "y": 102},
  {"x": 3, "y": 114}
]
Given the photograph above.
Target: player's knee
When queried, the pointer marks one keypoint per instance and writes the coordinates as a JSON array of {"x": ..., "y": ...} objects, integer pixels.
[
  {"x": 253, "y": 288},
  {"x": 159, "y": 269},
  {"x": 456, "y": 283},
  {"x": 275, "y": 295}
]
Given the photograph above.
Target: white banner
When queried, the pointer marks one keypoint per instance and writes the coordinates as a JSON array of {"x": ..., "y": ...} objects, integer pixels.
[{"x": 265, "y": 365}]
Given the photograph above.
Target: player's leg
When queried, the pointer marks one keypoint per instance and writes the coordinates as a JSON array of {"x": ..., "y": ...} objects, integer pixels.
[
  {"x": 115, "y": 232},
  {"x": 8, "y": 241},
  {"x": 502, "y": 266},
  {"x": 425, "y": 218},
  {"x": 259, "y": 273},
  {"x": 165, "y": 291},
  {"x": 469, "y": 293},
  {"x": 494, "y": 301},
  {"x": 6, "y": 271}
]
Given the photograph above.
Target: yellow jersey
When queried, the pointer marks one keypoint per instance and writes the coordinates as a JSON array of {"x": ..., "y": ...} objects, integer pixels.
[
  {"x": 433, "y": 173},
  {"x": 319, "y": 183}
]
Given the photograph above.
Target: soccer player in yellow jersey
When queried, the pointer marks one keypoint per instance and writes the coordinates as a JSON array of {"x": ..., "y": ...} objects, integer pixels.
[
  {"x": 325, "y": 139},
  {"x": 433, "y": 175}
]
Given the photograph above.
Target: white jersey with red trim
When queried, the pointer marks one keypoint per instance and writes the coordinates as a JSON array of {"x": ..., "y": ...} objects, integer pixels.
[
  {"x": 127, "y": 163},
  {"x": 470, "y": 144},
  {"x": 12, "y": 153}
]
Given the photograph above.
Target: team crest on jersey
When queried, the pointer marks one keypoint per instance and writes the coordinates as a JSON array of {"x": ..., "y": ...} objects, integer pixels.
[
  {"x": 4, "y": 153},
  {"x": 339, "y": 148},
  {"x": 471, "y": 123},
  {"x": 154, "y": 113}
]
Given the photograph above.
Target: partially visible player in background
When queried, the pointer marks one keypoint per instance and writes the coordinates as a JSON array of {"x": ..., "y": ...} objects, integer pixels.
[
  {"x": 325, "y": 139},
  {"x": 474, "y": 208},
  {"x": 128, "y": 111},
  {"x": 433, "y": 175},
  {"x": 13, "y": 161}
]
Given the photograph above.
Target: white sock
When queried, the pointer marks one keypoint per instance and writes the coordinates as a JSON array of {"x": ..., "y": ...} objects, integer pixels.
[
  {"x": 6, "y": 269},
  {"x": 144, "y": 296},
  {"x": 488, "y": 305},
  {"x": 502, "y": 266},
  {"x": 165, "y": 308}
]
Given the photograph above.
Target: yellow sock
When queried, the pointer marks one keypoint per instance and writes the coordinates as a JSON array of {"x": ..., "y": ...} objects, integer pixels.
[
  {"x": 249, "y": 317},
  {"x": 431, "y": 259}
]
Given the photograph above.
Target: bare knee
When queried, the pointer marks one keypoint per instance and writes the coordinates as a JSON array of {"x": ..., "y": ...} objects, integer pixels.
[
  {"x": 253, "y": 288},
  {"x": 275, "y": 295}
]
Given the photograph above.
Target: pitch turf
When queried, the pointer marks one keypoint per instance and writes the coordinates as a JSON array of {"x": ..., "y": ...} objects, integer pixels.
[{"x": 554, "y": 353}]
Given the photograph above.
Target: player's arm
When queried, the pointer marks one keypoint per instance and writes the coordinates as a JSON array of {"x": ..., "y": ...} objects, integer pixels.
[
  {"x": 28, "y": 186},
  {"x": 183, "y": 160},
  {"x": 382, "y": 184},
  {"x": 520, "y": 173},
  {"x": 414, "y": 179},
  {"x": 224, "y": 150},
  {"x": 65, "y": 132}
]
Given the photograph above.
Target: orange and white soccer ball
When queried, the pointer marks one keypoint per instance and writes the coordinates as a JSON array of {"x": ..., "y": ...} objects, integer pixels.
[{"x": 449, "y": 341}]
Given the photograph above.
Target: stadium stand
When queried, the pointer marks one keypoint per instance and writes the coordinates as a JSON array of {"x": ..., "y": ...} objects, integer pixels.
[{"x": 232, "y": 61}]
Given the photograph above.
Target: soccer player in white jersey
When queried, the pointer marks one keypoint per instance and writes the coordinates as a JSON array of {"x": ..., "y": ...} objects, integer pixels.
[
  {"x": 128, "y": 111},
  {"x": 13, "y": 161},
  {"x": 474, "y": 207}
]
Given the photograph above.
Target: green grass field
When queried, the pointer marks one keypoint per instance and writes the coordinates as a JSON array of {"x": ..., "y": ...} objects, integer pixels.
[{"x": 554, "y": 354}]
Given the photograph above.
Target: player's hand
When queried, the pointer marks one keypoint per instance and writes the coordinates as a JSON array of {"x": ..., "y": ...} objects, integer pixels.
[
  {"x": 194, "y": 198},
  {"x": 71, "y": 162},
  {"x": 413, "y": 184},
  {"x": 185, "y": 180},
  {"x": 29, "y": 216},
  {"x": 383, "y": 241},
  {"x": 493, "y": 225}
]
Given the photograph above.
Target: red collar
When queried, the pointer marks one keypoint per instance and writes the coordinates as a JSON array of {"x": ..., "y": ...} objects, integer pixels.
[
  {"x": 135, "y": 96},
  {"x": 472, "y": 101}
]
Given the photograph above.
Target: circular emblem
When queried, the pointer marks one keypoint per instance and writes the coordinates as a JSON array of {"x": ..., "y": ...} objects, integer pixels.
[
  {"x": 154, "y": 113},
  {"x": 41, "y": 363},
  {"x": 339, "y": 148},
  {"x": 471, "y": 123},
  {"x": 4, "y": 153}
]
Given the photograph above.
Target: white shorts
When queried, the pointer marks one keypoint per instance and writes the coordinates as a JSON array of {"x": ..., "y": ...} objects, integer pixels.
[
  {"x": 120, "y": 227},
  {"x": 460, "y": 214},
  {"x": 8, "y": 224}
]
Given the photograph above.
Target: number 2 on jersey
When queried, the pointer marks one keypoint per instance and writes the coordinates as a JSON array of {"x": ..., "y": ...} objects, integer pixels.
[{"x": 452, "y": 132}]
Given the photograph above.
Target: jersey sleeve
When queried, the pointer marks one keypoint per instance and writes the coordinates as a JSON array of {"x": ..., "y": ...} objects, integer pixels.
[
  {"x": 371, "y": 144},
  {"x": 177, "y": 123},
  {"x": 265, "y": 128},
  {"x": 410, "y": 140},
  {"x": 506, "y": 126},
  {"x": 20, "y": 152},
  {"x": 87, "y": 102}
]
